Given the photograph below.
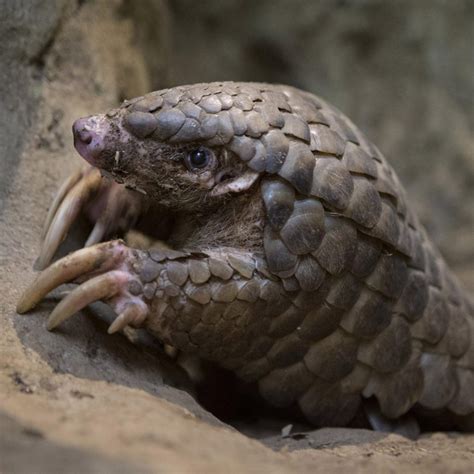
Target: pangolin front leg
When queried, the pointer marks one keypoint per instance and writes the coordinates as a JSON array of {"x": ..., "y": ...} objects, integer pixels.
[
  {"x": 105, "y": 273},
  {"x": 225, "y": 306}
]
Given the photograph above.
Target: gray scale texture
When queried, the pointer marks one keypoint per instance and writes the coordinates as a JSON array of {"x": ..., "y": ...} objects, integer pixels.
[{"x": 348, "y": 300}]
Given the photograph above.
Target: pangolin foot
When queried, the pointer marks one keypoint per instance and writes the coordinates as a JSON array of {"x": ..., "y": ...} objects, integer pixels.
[
  {"x": 105, "y": 273},
  {"x": 108, "y": 205}
]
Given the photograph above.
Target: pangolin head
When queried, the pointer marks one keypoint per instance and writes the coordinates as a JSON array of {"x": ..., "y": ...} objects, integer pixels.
[{"x": 189, "y": 146}]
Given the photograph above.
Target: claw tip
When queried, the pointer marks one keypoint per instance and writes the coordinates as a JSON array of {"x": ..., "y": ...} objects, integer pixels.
[
  {"x": 51, "y": 324},
  {"x": 111, "y": 330},
  {"x": 23, "y": 305},
  {"x": 116, "y": 326},
  {"x": 39, "y": 264}
]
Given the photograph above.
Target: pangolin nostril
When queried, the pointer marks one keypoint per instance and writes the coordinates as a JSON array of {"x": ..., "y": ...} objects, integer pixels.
[
  {"x": 81, "y": 133},
  {"x": 85, "y": 136}
]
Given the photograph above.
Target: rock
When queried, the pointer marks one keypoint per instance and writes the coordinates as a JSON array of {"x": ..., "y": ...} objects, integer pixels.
[
  {"x": 49, "y": 456},
  {"x": 26, "y": 33}
]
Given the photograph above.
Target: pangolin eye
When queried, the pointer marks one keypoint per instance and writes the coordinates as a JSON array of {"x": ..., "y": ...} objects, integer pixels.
[{"x": 198, "y": 158}]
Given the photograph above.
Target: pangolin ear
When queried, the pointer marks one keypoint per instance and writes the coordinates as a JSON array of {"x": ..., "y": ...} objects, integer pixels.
[{"x": 236, "y": 185}]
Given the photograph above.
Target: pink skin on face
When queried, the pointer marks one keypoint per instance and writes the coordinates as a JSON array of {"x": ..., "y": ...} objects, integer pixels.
[{"x": 89, "y": 137}]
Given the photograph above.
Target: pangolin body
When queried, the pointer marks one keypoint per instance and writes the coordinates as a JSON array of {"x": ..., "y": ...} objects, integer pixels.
[{"x": 335, "y": 296}]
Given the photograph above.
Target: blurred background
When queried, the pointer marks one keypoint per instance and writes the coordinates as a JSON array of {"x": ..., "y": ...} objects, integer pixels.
[{"x": 403, "y": 71}]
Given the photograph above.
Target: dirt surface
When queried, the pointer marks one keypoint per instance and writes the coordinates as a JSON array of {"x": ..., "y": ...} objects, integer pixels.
[{"x": 77, "y": 400}]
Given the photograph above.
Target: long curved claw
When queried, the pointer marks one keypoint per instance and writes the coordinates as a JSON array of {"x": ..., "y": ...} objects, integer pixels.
[
  {"x": 68, "y": 211},
  {"x": 133, "y": 314},
  {"x": 105, "y": 223},
  {"x": 99, "y": 257},
  {"x": 97, "y": 233},
  {"x": 58, "y": 199},
  {"x": 101, "y": 287}
]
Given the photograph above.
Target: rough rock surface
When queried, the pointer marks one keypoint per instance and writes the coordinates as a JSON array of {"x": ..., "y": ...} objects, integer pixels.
[{"x": 81, "y": 400}]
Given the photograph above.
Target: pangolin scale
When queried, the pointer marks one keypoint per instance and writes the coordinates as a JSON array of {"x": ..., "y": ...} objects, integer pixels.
[{"x": 297, "y": 262}]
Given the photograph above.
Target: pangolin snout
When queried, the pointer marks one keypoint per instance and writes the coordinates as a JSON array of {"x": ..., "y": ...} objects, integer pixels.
[{"x": 89, "y": 137}]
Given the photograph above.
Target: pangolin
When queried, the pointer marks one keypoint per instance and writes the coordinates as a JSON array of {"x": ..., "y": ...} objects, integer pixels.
[{"x": 293, "y": 258}]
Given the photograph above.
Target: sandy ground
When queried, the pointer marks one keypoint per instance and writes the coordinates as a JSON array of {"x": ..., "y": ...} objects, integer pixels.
[{"x": 78, "y": 400}]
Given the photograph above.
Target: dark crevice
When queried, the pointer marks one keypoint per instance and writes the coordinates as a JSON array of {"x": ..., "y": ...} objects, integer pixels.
[{"x": 239, "y": 405}]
